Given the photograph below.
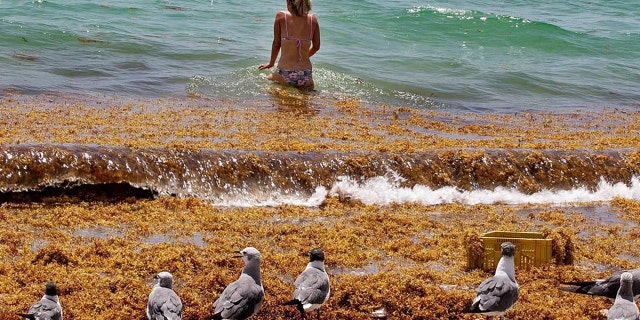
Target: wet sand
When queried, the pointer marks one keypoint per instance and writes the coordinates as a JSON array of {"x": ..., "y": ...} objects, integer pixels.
[{"x": 408, "y": 258}]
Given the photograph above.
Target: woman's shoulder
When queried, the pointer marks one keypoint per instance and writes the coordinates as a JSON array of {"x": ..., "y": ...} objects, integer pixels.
[
  {"x": 314, "y": 18},
  {"x": 280, "y": 16}
]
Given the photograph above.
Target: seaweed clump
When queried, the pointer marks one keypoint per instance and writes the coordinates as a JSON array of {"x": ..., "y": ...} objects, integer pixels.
[
  {"x": 475, "y": 247},
  {"x": 563, "y": 249}
]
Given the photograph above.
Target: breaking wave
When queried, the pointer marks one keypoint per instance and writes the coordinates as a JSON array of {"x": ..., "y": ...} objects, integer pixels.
[{"x": 259, "y": 178}]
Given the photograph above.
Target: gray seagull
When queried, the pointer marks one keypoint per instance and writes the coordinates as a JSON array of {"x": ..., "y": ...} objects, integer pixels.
[
  {"x": 48, "y": 308},
  {"x": 496, "y": 295},
  {"x": 604, "y": 287},
  {"x": 312, "y": 285},
  {"x": 164, "y": 303},
  {"x": 624, "y": 308},
  {"x": 242, "y": 298}
]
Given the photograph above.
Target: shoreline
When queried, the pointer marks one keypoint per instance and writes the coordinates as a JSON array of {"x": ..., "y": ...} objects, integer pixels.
[{"x": 293, "y": 122}]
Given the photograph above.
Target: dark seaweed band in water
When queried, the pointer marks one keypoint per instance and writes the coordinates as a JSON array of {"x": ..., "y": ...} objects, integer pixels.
[
  {"x": 73, "y": 192},
  {"x": 40, "y": 171}
]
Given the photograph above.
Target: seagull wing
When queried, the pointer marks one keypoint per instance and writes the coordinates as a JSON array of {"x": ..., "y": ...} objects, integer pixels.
[
  {"x": 239, "y": 300},
  {"x": 607, "y": 287},
  {"x": 46, "y": 309},
  {"x": 497, "y": 293},
  {"x": 312, "y": 286},
  {"x": 604, "y": 288},
  {"x": 164, "y": 304}
]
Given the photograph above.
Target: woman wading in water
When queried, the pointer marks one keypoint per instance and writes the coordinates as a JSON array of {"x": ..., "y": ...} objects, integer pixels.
[{"x": 297, "y": 34}]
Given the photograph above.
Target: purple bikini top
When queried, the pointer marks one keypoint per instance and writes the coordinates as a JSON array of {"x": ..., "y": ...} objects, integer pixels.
[{"x": 298, "y": 40}]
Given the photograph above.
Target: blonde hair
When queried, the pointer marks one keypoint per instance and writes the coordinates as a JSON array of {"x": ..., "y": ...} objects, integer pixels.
[{"x": 301, "y": 7}]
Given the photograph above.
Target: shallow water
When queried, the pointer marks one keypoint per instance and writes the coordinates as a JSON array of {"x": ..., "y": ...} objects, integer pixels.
[{"x": 456, "y": 55}]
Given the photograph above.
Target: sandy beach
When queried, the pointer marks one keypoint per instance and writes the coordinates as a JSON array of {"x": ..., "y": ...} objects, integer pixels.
[{"x": 408, "y": 258}]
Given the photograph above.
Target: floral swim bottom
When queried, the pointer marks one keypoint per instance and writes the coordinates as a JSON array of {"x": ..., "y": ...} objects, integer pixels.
[{"x": 297, "y": 78}]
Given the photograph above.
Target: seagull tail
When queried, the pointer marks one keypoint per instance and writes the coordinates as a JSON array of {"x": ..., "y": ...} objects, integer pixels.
[
  {"x": 29, "y": 316},
  {"x": 217, "y": 316},
  {"x": 473, "y": 308},
  {"x": 297, "y": 303},
  {"x": 577, "y": 286},
  {"x": 470, "y": 310}
]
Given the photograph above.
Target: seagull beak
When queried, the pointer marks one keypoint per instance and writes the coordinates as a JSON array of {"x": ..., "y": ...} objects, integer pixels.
[{"x": 238, "y": 254}]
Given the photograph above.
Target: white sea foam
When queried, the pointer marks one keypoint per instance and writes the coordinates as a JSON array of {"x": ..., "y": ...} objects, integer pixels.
[
  {"x": 383, "y": 191},
  {"x": 387, "y": 190},
  {"x": 442, "y": 10}
]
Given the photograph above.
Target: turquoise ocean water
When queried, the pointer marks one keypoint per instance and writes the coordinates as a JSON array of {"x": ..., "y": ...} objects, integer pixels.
[{"x": 481, "y": 55}]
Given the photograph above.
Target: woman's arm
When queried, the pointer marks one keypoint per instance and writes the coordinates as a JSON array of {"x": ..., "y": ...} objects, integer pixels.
[
  {"x": 315, "y": 42},
  {"x": 275, "y": 45}
]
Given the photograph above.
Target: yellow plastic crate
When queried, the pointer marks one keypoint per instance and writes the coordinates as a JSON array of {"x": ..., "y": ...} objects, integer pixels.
[{"x": 532, "y": 249}]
